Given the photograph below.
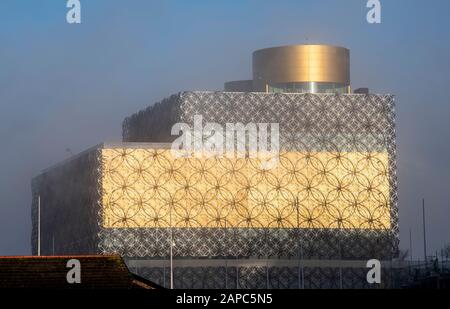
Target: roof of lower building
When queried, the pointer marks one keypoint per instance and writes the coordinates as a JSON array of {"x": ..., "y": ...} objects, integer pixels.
[{"x": 96, "y": 272}]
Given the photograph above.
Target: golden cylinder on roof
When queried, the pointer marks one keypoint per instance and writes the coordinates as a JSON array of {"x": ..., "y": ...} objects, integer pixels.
[{"x": 301, "y": 63}]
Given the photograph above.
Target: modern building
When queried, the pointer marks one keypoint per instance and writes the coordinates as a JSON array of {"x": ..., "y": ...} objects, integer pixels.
[{"x": 312, "y": 221}]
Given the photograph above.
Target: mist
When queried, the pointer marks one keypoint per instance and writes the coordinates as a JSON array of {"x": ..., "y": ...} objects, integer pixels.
[{"x": 65, "y": 88}]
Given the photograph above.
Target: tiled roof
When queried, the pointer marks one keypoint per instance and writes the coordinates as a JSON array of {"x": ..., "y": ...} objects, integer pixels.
[{"x": 97, "y": 272}]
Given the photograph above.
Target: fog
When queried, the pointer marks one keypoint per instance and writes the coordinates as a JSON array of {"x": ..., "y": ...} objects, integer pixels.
[{"x": 64, "y": 88}]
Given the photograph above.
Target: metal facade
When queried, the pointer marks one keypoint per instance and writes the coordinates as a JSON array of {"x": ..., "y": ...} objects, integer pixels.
[{"x": 333, "y": 196}]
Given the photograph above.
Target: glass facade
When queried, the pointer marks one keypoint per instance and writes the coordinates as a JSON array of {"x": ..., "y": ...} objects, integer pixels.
[{"x": 308, "y": 87}]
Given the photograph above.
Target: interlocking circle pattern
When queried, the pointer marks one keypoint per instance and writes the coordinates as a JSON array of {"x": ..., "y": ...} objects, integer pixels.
[{"x": 150, "y": 188}]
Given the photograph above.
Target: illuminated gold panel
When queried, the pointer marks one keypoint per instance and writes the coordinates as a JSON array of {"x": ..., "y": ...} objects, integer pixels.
[
  {"x": 302, "y": 63},
  {"x": 150, "y": 188}
]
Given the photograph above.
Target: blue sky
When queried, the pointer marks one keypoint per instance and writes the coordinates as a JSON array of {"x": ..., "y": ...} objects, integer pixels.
[{"x": 69, "y": 86}]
